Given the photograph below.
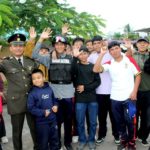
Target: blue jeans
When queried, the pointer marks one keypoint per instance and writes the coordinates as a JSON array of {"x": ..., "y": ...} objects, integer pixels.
[{"x": 92, "y": 109}]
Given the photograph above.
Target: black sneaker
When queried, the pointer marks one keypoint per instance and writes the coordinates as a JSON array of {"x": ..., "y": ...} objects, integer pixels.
[
  {"x": 68, "y": 147},
  {"x": 145, "y": 143},
  {"x": 99, "y": 141},
  {"x": 117, "y": 141}
]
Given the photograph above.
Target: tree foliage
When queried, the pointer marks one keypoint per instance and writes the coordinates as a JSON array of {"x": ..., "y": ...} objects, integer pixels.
[
  {"x": 50, "y": 13},
  {"x": 7, "y": 17}
]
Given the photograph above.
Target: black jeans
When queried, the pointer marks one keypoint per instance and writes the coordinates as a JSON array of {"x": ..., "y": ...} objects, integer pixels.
[
  {"x": 104, "y": 104},
  {"x": 143, "y": 110},
  {"x": 65, "y": 115}
]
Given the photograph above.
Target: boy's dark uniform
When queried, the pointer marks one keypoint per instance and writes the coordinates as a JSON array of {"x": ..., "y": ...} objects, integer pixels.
[
  {"x": 39, "y": 100},
  {"x": 19, "y": 82}
]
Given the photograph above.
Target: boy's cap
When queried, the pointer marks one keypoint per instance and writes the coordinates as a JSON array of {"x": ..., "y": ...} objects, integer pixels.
[
  {"x": 113, "y": 43},
  {"x": 59, "y": 38},
  {"x": 17, "y": 39},
  {"x": 44, "y": 46},
  {"x": 84, "y": 49},
  {"x": 97, "y": 38},
  {"x": 143, "y": 39}
]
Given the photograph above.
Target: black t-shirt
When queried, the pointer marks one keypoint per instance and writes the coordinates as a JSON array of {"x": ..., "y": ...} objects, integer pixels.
[{"x": 83, "y": 75}]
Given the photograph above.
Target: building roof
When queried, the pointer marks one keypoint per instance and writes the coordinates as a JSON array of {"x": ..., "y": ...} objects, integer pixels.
[{"x": 143, "y": 30}]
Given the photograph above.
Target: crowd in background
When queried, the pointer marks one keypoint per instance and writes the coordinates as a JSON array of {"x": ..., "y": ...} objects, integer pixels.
[{"x": 76, "y": 82}]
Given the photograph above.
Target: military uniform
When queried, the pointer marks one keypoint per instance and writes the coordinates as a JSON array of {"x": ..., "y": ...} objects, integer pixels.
[{"x": 19, "y": 82}]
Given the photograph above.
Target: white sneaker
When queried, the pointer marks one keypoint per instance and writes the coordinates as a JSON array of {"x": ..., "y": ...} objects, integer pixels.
[
  {"x": 75, "y": 139},
  {"x": 4, "y": 139}
]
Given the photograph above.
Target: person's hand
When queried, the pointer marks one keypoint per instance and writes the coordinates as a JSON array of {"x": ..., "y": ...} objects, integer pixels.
[
  {"x": 80, "y": 88},
  {"x": 76, "y": 52},
  {"x": 45, "y": 34},
  {"x": 32, "y": 33},
  {"x": 55, "y": 109},
  {"x": 103, "y": 50},
  {"x": 65, "y": 29},
  {"x": 47, "y": 112},
  {"x": 127, "y": 43},
  {"x": 133, "y": 96}
]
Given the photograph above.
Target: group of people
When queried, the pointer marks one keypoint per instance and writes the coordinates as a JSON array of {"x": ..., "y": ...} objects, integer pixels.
[{"x": 69, "y": 84}]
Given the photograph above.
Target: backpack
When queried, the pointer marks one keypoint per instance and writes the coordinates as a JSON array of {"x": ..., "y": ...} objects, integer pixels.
[{"x": 147, "y": 66}]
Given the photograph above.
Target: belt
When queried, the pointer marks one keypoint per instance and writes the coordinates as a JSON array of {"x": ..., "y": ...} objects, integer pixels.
[{"x": 61, "y": 82}]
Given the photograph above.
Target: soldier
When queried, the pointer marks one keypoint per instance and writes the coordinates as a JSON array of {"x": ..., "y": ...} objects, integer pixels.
[{"x": 17, "y": 70}]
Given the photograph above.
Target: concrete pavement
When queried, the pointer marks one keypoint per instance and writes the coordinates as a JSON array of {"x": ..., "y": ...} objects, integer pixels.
[{"x": 108, "y": 144}]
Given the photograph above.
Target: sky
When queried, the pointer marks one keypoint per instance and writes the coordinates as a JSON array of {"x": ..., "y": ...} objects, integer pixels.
[{"x": 117, "y": 13}]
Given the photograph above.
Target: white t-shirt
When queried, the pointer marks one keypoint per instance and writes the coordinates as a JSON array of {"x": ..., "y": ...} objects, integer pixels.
[{"x": 122, "y": 75}]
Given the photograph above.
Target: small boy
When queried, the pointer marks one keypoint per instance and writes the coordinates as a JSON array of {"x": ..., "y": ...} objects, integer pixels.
[
  {"x": 85, "y": 82},
  {"x": 43, "y": 105}
]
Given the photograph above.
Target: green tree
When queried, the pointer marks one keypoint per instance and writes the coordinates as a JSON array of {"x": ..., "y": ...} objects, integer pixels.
[
  {"x": 50, "y": 13},
  {"x": 7, "y": 16}
]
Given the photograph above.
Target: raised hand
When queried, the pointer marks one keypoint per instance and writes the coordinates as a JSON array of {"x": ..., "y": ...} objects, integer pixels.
[
  {"x": 32, "y": 33},
  {"x": 104, "y": 49},
  {"x": 46, "y": 34},
  {"x": 76, "y": 52},
  {"x": 65, "y": 29},
  {"x": 127, "y": 43}
]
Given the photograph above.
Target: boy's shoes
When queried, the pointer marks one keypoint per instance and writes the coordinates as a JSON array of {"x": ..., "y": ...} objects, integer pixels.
[
  {"x": 68, "y": 147},
  {"x": 117, "y": 141},
  {"x": 4, "y": 139},
  {"x": 92, "y": 146},
  {"x": 122, "y": 146},
  {"x": 99, "y": 140},
  {"x": 145, "y": 143},
  {"x": 131, "y": 146},
  {"x": 75, "y": 139},
  {"x": 81, "y": 146}
]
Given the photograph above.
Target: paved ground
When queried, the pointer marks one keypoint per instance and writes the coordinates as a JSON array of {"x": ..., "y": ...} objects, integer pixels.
[{"x": 108, "y": 144}]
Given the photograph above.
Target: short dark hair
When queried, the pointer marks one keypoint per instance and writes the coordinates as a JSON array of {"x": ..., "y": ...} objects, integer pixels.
[
  {"x": 87, "y": 41},
  {"x": 77, "y": 39},
  {"x": 113, "y": 43},
  {"x": 37, "y": 71},
  {"x": 84, "y": 49},
  {"x": 97, "y": 38}
]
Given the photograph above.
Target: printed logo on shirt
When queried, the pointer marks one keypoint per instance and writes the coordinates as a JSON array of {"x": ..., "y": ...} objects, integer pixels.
[
  {"x": 45, "y": 96},
  {"x": 61, "y": 61}
]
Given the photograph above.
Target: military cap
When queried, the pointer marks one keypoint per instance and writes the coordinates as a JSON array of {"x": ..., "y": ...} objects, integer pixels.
[
  {"x": 142, "y": 39},
  {"x": 59, "y": 38},
  {"x": 17, "y": 39}
]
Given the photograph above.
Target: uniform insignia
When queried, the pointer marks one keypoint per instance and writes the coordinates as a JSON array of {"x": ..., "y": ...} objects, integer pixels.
[{"x": 18, "y": 38}]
